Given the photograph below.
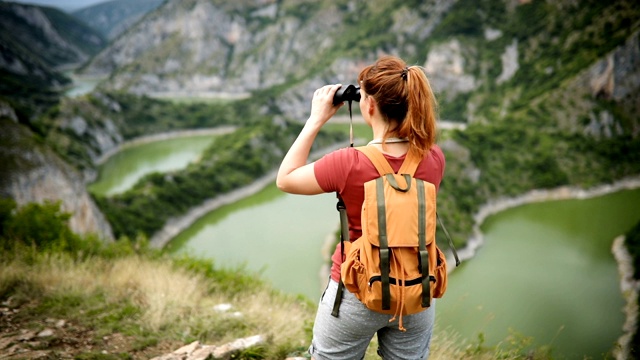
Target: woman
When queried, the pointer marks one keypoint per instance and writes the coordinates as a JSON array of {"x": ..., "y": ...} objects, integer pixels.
[{"x": 399, "y": 106}]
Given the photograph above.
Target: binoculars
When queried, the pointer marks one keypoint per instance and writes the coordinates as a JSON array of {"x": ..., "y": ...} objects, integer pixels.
[{"x": 348, "y": 93}]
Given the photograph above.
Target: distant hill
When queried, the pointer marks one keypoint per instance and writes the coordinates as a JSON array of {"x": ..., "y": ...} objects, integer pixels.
[
  {"x": 113, "y": 17},
  {"x": 56, "y": 38},
  {"x": 38, "y": 44}
]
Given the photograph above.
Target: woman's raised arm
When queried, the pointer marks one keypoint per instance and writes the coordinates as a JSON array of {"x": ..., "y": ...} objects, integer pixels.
[{"x": 295, "y": 176}]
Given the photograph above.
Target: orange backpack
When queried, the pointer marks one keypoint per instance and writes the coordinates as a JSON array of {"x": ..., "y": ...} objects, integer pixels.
[{"x": 395, "y": 267}]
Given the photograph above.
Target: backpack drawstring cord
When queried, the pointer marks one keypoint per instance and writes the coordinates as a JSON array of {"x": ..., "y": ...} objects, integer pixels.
[{"x": 400, "y": 295}]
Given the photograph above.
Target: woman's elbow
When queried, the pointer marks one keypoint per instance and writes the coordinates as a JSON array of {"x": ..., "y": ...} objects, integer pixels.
[{"x": 282, "y": 184}]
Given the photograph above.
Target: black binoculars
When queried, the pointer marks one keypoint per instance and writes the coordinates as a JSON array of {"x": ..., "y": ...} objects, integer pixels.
[{"x": 348, "y": 93}]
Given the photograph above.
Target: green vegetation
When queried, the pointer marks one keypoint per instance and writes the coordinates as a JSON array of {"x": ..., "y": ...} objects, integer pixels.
[
  {"x": 123, "y": 300},
  {"x": 633, "y": 245},
  {"x": 632, "y": 242},
  {"x": 154, "y": 303}
]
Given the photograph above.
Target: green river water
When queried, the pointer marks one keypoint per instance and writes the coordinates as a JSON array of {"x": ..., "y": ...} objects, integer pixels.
[
  {"x": 129, "y": 165},
  {"x": 545, "y": 270}
]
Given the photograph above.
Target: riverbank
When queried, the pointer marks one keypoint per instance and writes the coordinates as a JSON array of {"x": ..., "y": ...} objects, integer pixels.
[
  {"x": 629, "y": 287},
  {"x": 221, "y": 130},
  {"x": 562, "y": 193}
]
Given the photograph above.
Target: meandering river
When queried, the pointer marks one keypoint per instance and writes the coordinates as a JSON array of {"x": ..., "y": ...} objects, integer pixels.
[{"x": 545, "y": 269}]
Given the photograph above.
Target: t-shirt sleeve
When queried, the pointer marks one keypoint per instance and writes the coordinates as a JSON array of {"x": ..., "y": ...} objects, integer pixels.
[{"x": 332, "y": 170}]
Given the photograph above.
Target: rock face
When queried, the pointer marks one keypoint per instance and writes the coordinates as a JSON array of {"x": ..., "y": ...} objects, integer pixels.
[
  {"x": 222, "y": 49},
  {"x": 31, "y": 172},
  {"x": 615, "y": 78},
  {"x": 196, "y": 46},
  {"x": 446, "y": 68}
]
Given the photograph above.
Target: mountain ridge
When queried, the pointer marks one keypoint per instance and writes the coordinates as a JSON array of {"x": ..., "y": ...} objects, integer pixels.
[{"x": 112, "y": 18}]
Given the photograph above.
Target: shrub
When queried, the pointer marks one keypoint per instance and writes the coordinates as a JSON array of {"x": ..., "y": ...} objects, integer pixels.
[{"x": 43, "y": 226}]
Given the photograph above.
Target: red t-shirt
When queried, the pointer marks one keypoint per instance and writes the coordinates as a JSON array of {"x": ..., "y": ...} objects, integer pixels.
[{"x": 346, "y": 170}]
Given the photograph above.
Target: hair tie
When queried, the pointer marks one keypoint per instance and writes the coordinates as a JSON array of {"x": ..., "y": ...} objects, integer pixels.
[{"x": 404, "y": 73}]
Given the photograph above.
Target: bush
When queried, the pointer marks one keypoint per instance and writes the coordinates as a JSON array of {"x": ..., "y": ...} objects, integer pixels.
[{"x": 43, "y": 226}]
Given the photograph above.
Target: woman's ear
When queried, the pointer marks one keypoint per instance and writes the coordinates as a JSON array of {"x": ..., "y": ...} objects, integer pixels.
[{"x": 371, "y": 105}]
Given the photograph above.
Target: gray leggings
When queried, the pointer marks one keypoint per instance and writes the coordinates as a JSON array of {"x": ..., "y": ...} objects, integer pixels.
[{"x": 349, "y": 335}]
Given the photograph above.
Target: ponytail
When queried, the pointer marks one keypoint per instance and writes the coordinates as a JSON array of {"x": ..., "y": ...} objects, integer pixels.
[
  {"x": 404, "y": 96},
  {"x": 419, "y": 125}
]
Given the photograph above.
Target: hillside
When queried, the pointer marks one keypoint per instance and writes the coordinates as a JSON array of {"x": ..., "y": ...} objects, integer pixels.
[
  {"x": 37, "y": 44},
  {"x": 53, "y": 37},
  {"x": 487, "y": 59}
]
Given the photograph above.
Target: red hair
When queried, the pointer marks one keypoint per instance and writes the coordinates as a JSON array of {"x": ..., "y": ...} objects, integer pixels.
[{"x": 404, "y": 96}]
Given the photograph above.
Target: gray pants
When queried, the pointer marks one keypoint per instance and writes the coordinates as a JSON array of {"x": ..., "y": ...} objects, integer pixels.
[{"x": 349, "y": 335}]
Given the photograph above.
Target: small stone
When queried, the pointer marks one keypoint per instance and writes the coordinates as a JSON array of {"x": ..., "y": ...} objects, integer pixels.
[
  {"x": 188, "y": 349},
  {"x": 26, "y": 335},
  {"x": 45, "y": 333},
  {"x": 222, "y": 307}
]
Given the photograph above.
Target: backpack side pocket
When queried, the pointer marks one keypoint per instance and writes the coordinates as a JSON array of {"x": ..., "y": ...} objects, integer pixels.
[
  {"x": 440, "y": 273},
  {"x": 352, "y": 269}
]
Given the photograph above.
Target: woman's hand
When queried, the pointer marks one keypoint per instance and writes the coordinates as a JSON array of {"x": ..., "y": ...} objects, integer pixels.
[
  {"x": 295, "y": 175},
  {"x": 322, "y": 108}
]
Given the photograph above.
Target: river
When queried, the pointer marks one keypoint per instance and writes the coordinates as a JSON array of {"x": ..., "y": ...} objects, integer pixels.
[
  {"x": 124, "y": 168},
  {"x": 545, "y": 269}
]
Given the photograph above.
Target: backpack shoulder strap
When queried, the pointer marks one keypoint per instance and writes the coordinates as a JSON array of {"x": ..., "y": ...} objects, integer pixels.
[
  {"x": 409, "y": 165},
  {"x": 378, "y": 160}
]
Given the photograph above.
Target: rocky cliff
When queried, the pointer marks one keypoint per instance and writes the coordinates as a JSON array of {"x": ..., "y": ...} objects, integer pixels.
[
  {"x": 197, "y": 47},
  {"x": 32, "y": 172}
]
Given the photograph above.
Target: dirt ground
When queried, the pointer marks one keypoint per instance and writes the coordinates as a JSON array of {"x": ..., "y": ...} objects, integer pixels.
[{"x": 25, "y": 336}]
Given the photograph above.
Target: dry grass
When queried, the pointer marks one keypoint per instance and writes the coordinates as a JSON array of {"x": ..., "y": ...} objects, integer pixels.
[
  {"x": 177, "y": 304},
  {"x": 168, "y": 297}
]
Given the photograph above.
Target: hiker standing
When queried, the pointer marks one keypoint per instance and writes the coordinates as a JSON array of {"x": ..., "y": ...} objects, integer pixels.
[{"x": 397, "y": 102}]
